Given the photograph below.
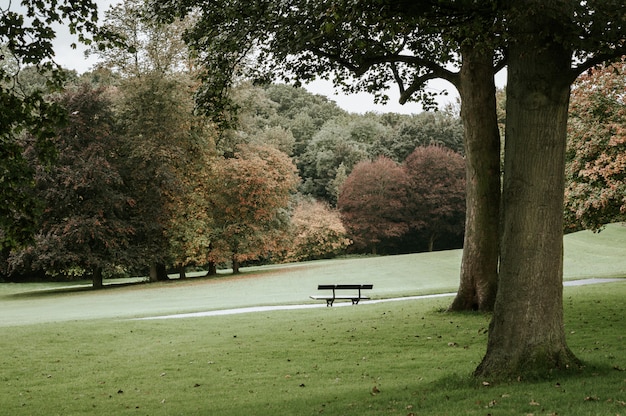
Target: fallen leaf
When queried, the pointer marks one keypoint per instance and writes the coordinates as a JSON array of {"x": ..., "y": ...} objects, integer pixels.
[
  {"x": 534, "y": 403},
  {"x": 375, "y": 391},
  {"x": 486, "y": 383},
  {"x": 592, "y": 398}
]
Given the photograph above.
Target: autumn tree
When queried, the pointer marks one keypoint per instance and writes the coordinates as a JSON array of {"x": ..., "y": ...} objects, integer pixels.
[
  {"x": 595, "y": 192},
  {"x": 86, "y": 227},
  {"x": 167, "y": 144},
  {"x": 249, "y": 203},
  {"x": 372, "y": 202},
  {"x": 316, "y": 232},
  {"x": 436, "y": 192}
]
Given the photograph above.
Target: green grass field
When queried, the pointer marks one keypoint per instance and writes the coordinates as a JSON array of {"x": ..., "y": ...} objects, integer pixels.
[{"x": 73, "y": 352}]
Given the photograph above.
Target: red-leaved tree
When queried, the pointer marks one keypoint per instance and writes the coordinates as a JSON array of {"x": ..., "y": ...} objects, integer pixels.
[
  {"x": 436, "y": 181},
  {"x": 372, "y": 202}
]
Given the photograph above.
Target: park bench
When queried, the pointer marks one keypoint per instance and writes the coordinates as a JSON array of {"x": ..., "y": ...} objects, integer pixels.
[{"x": 355, "y": 296}]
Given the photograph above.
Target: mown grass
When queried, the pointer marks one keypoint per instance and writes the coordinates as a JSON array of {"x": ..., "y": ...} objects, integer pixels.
[{"x": 396, "y": 358}]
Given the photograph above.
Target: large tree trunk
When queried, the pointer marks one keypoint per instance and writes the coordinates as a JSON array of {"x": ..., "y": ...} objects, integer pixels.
[
  {"x": 526, "y": 335},
  {"x": 479, "y": 266}
]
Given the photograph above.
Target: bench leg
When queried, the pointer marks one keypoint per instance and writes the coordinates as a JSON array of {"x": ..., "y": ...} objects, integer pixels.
[
  {"x": 355, "y": 301},
  {"x": 329, "y": 302}
]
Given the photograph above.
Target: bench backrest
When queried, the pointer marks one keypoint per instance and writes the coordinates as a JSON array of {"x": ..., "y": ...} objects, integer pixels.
[{"x": 354, "y": 287}]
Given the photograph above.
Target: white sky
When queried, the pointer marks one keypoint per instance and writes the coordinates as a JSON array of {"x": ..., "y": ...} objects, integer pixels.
[{"x": 354, "y": 103}]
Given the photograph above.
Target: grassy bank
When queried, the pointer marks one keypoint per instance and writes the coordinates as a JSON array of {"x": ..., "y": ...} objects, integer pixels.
[
  {"x": 586, "y": 255},
  {"x": 395, "y": 358}
]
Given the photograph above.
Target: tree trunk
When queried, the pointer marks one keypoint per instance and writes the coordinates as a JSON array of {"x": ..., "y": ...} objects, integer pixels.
[
  {"x": 479, "y": 266},
  {"x": 235, "y": 265},
  {"x": 158, "y": 272},
  {"x": 212, "y": 269},
  {"x": 96, "y": 278},
  {"x": 431, "y": 242},
  {"x": 526, "y": 335},
  {"x": 181, "y": 272}
]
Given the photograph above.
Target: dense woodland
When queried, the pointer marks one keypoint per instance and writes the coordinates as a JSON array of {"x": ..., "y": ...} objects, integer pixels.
[{"x": 136, "y": 181}]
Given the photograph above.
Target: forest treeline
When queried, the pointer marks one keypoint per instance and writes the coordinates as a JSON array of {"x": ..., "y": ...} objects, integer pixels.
[{"x": 135, "y": 182}]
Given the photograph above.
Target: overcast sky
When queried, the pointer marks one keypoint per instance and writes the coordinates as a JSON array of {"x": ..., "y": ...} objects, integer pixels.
[{"x": 355, "y": 103}]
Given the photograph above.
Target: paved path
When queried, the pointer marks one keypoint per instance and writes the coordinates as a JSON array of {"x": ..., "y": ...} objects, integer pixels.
[{"x": 340, "y": 304}]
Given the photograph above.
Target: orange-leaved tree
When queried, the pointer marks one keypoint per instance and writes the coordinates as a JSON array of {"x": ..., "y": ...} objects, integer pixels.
[
  {"x": 317, "y": 232},
  {"x": 595, "y": 192},
  {"x": 250, "y": 195}
]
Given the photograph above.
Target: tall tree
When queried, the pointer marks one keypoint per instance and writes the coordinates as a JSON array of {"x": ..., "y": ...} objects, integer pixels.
[
  {"x": 155, "y": 108},
  {"x": 549, "y": 44},
  {"x": 250, "y": 195},
  {"x": 368, "y": 47},
  {"x": 595, "y": 192},
  {"x": 372, "y": 202},
  {"x": 86, "y": 227},
  {"x": 27, "y": 32}
]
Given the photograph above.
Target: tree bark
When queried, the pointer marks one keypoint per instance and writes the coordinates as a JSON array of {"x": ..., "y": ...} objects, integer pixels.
[
  {"x": 96, "y": 278},
  {"x": 235, "y": 265},
  {"x": 158, "y": 272},
  {"x": 526, "y": 334},
  {"x": 212, "y": 269},
  {"x": 479, "y": 265}
]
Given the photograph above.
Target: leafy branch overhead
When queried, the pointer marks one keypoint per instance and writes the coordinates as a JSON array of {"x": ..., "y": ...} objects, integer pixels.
[{"x": 365, "y": 47}]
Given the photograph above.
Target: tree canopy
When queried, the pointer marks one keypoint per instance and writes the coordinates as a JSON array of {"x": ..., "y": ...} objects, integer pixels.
[{"x": 595, "y": 192}]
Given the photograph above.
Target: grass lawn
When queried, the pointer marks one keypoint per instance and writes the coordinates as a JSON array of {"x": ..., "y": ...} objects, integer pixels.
[
  {"x": 396, "y": 358},
  {"x": 71, "y": 352}
]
